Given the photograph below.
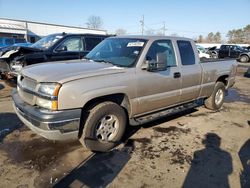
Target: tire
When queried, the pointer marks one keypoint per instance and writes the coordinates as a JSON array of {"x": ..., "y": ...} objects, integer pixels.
[
  {"x": 104, "y": 127},
  {"x": 215, "y": 101},
  {"x": 214, "y": 55},
  {"x": 244, "y": 58}
]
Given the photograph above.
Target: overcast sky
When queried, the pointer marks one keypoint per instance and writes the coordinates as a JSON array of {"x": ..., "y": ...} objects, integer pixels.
[{"x": 187, "y": 18}]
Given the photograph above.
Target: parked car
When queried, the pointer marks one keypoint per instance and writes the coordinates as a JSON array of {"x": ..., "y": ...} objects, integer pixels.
[
  {"x": 202, "y": 52},
  {"x": 129, "y": 78},
  {"x": 231, "y": 51},
  {"x": 55, "y": 47}
]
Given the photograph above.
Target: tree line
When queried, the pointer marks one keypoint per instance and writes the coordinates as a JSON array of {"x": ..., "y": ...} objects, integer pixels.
[{"x": 234, "y": 36}]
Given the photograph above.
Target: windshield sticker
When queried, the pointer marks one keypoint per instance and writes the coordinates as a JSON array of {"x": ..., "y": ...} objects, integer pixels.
[
  {"x": 135, "y": 44},
  {"x": 59, "y": 37}
]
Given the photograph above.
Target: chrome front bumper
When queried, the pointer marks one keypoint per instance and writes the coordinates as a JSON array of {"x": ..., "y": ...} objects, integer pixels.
[{"x": 53, "y": 125}]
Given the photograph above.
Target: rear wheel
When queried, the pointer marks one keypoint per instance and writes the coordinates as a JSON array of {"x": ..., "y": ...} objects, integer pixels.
[
  {"x": 244, "y": 58},
  {"x": 215, "y": 101},
  {"x": 104, "y": 127}
]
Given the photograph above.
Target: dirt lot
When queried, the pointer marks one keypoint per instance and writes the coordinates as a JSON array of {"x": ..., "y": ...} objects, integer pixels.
[{"x": 196, "y": 148}]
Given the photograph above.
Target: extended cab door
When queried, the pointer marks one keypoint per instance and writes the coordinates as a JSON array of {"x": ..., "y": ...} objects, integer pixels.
[
  {"x": 159, "y": 89},
  {"x": 234, "y": 51},
  {"x": 191, "y": 71},
  {"x": 224, "y": 51},
  {"x": 68, "y": 49}
]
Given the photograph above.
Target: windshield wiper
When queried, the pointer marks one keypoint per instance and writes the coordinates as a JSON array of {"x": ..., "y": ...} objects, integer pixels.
[{"x": 103, "y": 60}]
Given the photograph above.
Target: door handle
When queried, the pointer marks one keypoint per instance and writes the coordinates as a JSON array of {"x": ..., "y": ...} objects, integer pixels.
[{"x": 177, "y": 75}]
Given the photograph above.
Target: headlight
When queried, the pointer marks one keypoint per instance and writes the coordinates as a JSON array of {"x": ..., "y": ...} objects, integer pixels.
[
  {"x": 16, "y": 68},
  {"x": 47, "y": 95},
  {"x": 50, "y": 89}
]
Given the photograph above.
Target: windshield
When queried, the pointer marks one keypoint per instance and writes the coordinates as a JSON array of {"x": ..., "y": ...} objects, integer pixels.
[
  {"x": 46, "y": 42},
  {"x": 117, "y": 51}
]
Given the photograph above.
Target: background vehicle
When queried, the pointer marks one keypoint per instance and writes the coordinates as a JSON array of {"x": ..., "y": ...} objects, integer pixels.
[
  {"x": 232, "y": 51},
  {"x": 55, "y": 47},
  {"x": 202, "y": 52},
  {"x": 133, "y": 78}
]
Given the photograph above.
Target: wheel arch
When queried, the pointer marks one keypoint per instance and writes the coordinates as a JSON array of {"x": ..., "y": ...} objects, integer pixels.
[
  {"x": 118, "y": 98},
  {"x": 223, "y": 79}
]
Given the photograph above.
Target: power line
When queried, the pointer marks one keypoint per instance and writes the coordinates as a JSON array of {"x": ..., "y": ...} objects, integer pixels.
[
  {"x": 164, "y": 28},
  {"x": 142, "y": 24}
]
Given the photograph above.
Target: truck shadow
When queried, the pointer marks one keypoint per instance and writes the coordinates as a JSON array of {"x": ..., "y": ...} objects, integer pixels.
[
  {"x": 244, "y": 155},
  {"x": 99, "y": 170},
  {"x": 8, "y": 123},
  {"x": 210, "y": 166},
  {"x": 247, "y": 73},
  {"x": 1, "y": 86}
]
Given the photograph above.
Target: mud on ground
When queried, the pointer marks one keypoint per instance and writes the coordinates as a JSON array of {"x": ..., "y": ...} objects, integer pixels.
[{"x": 196, "y": 148}]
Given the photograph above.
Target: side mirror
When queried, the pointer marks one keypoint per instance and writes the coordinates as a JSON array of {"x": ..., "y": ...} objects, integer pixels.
[
  {"x": 159, "y": 65},
  {"x": 62, "y": 49}
]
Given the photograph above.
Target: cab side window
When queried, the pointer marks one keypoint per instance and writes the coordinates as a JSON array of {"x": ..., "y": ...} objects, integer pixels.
[
  {"x": 186, "y": 52},
  {"x": 162, "y": 46},
  {"x": 73, "y": 44}
]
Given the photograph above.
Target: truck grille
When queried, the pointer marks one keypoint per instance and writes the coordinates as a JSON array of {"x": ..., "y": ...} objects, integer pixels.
[{"x": 26, "y": 87}]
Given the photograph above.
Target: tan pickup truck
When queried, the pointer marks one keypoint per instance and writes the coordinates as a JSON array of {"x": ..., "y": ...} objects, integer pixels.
[{"x": 123, "y": 81}]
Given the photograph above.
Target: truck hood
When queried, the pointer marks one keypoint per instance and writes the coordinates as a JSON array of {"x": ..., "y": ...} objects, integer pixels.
[{"x": 65, "y": 71}]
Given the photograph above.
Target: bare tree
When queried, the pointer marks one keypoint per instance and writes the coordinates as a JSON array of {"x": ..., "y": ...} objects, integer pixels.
[
  {"x": 210, "y": 37},
  {"x": 121, "y": 31},
  {"x": 200, "y": 39},
  {"x": 217, "y": 37},
  {"x": 94, "y": 22}
]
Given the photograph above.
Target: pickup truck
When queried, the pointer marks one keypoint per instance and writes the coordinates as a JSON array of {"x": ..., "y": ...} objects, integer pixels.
[
  {"x": 54, "y": 47},
  {"x": 123, "y": 81}
]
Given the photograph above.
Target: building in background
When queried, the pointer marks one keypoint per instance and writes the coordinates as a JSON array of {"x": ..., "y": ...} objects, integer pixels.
[{"x": 33, "y": 31}]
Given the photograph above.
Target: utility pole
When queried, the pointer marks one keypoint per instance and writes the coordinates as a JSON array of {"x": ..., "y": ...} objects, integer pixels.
[
  {"x": 142, "y": 24},
  {"x": 164, "y": 28}
]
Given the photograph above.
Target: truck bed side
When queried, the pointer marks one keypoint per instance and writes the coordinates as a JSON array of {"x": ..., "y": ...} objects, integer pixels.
[{"x": 215, "y": 70}]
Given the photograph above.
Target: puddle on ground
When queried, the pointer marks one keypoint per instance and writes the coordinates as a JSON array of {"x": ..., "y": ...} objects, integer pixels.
[
  {"x": 235, "y": 96},
  {"x": 37, "y": 153}
]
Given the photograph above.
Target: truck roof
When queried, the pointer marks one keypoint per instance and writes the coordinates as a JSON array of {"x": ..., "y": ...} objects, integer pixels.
[
  {"x": 82, "y": 34},
  {"x": 151, "y": 37}
]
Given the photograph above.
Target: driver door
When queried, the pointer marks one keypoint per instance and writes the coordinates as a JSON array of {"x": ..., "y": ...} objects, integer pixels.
[
  {"x": 159, "y": 89},
  {"x": 69, "y": 49}
]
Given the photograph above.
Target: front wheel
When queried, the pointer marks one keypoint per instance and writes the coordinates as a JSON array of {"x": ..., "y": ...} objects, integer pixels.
[
  {"x": 215, "y": 101},
  {"x": 244, "y": 58},
  {"x": 104, "y": 127}
]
